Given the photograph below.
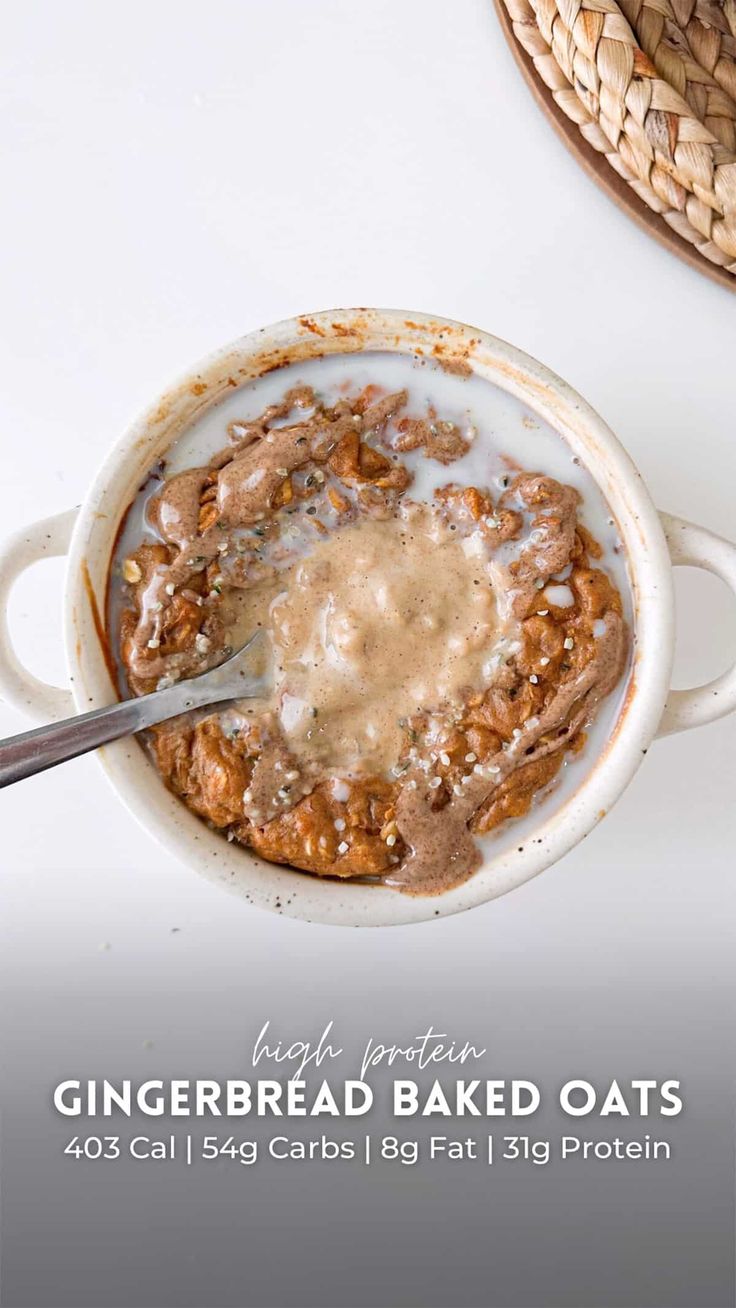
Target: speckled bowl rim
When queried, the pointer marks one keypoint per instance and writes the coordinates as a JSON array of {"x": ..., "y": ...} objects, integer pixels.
[{"x": 457, "y": 346}]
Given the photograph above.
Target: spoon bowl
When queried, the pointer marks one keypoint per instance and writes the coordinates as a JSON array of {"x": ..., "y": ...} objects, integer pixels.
[{"x": 35, "y": 751}]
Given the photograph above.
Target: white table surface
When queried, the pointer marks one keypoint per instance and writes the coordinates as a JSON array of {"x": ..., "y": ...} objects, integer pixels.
[
  {"x": 165, "y": 194},
  {"x": 177, "y": 174}
]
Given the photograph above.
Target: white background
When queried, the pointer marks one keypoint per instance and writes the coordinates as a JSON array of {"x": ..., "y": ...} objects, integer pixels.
[{"x": 177, "y": 174}]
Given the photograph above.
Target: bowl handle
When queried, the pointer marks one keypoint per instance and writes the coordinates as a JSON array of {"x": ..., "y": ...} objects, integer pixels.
[
  {"x": 692, "y": 546},
  {"x": 47, "y": 539}
]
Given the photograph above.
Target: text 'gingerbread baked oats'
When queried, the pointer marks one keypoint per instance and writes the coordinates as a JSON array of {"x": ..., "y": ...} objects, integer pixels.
[{"x": 440, "y": 625}]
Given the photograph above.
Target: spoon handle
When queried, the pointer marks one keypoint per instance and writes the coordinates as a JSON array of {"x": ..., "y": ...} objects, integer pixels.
[{"x": 44, "y": 747}]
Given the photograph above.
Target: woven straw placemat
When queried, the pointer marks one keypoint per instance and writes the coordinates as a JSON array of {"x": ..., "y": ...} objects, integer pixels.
[{"x": 643, "y": 92}]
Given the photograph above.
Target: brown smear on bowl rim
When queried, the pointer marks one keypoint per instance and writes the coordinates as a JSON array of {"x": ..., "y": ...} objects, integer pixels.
[{"x": 99, "y": 625}]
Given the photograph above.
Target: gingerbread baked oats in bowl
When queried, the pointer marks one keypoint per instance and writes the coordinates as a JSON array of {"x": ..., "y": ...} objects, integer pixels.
[
  {"x": 442, "y": 629},
  {"x": 464, "y": 600}
]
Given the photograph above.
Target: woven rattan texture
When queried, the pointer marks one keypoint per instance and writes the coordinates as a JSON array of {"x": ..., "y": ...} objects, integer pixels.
[{"x": 651, "y": 86}]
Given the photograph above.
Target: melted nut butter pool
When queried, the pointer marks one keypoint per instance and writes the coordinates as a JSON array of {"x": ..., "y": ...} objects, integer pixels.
[
  {"x": 381, "y": 620},
  {"x": 446, "y": 605}
]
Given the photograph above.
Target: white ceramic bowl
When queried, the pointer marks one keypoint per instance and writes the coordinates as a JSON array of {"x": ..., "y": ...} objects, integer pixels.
[{"x": 653, "y": 542}]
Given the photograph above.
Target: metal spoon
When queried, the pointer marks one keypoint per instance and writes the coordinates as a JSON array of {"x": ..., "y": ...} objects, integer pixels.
[{"x": 35, "y": 751}]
